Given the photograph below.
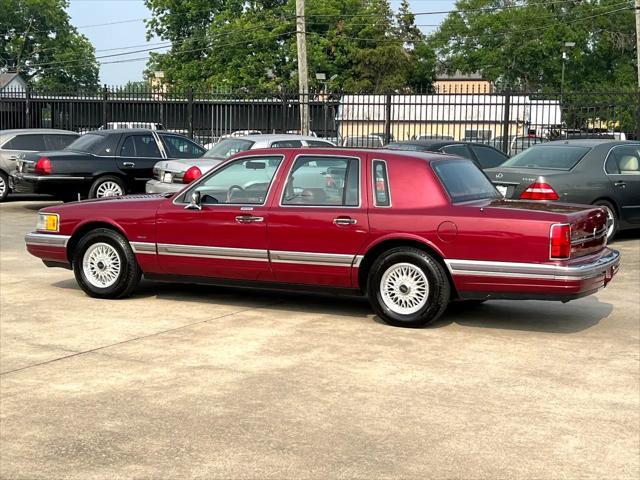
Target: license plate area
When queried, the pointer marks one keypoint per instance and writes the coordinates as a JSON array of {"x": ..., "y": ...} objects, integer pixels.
[
  {"x": 505, "y": 190},
  {"x": 167, "y": 177}
]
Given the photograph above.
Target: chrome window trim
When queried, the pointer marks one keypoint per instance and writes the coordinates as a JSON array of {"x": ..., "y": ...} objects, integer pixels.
[
  {"x": 293, "y": 162},
  {"x": 224, "y": 163},
  {"x": 606, "y": 158},
  {"x": 373, "y": 183},
  {"x": 47, "y": 239}
]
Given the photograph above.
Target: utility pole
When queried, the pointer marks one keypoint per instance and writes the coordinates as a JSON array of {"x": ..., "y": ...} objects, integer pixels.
[
  {"x": 303, "y": 75},
  {"x": 638, "y": 38}
]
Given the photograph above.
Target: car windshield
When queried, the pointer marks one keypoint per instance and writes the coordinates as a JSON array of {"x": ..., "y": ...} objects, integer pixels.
[
  {"x": 554, "y": 157},
  {"x": 463, "y": 181},
  {"x": 90, "y": 143},
  {"x": 228, "y": 147}
]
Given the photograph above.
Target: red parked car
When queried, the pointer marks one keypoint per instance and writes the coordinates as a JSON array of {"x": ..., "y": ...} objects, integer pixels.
[{"x": 411, "y": 230}]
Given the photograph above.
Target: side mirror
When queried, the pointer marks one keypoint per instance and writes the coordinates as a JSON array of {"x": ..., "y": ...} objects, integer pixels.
[{"x": 195, "y": 201}]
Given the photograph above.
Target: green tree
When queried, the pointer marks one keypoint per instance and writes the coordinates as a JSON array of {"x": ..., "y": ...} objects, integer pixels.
[
  {"x": 231, "y": 44},
  {"x": 518, "y": 43},
  {"x": 38, "y": 41}
]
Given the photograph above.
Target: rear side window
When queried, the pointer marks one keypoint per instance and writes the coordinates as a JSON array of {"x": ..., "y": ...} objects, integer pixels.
[
  {"x": 140, "y": 146},
  {"x": 381, "y": 195},
  {"x": 555, "y": 157},
  {"x": 58, "y": 142},
  {"x": 488, "y": 157},
  {"x": 26, "y": 142},
  {"x": 287, "y": 144},
  {"x": 624, "y": 160},
  {"x": 319, "y": 181},
  {"x": 459, "y": 150},
  {"x": 464, "y": 181}
]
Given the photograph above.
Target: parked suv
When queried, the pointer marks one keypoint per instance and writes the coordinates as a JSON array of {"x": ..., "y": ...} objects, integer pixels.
[{"x": 13, "y": 143}]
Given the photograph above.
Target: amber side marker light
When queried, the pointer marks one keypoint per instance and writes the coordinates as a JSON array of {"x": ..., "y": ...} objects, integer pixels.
[
  {"x": 48, "y": 222},
  {"x": 560, "y": 239}
]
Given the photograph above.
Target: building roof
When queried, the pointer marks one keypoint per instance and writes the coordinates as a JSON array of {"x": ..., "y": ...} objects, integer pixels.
[
  {"x": 458, "y": 75},
  {"x": 7, "y": 78}
]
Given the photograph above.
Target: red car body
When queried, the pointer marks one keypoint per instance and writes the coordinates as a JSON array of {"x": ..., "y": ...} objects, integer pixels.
[{"x": 489, "y": 247}]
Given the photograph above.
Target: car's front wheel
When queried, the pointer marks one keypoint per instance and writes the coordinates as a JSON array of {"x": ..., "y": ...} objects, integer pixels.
[
  {"x": 407, "y": 287},
  {"x": 105, "y": 266}
]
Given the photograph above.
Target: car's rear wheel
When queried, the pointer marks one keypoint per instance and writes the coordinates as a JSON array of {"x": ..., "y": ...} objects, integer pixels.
[
  {"x": 4, "y": 186},
  {"x": 407, "y": 287},
  {"x": 612, "y": 218},
  {"x": 107, "y": 186},
  {"x": 105, "y": 266}
]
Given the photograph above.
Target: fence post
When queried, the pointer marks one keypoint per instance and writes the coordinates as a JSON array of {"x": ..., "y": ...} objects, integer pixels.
[
  {"x": 387, "y": 119},
  {"x": 637, "y": 117},
  {"x": 506, "y": 122},
  {"x": 190, "y": 111},
  {"x": 284, "y": 112},
  {"x": 27, "y": 106},
  {"x": 105, "y": 101}
]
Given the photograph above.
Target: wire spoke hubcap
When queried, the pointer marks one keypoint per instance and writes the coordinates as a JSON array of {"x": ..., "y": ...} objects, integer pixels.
[
  {"x": 404, "y": 288},
  {"x": 101, "y": 265},
  {"x": 611, "y": 220},
  {"x": 108, "y": 189},
  {"x": 3, "y": 186}
]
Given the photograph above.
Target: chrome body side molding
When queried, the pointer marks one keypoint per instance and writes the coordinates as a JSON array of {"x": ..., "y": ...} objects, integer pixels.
[
  {"x": 213, "y": 252},
  {"x": 47, "y": 239}
]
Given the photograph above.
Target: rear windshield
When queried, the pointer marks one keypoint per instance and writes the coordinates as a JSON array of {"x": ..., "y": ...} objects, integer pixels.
[
  {"x": 94, "y": 143},
  {"x": 555, "y": 157},
  {"x": 463, "y": 181},
  {"x": 228, "y": 147}
]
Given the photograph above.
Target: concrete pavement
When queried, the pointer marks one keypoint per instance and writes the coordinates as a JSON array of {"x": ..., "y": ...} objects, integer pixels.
[{"x": 205, "y": 382}]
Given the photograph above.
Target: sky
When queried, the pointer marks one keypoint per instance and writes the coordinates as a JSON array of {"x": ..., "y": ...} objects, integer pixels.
[{"x": 86, "y": 15}]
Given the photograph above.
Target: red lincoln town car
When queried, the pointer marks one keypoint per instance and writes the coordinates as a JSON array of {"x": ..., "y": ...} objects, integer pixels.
[{"x": 410, "y": 230}]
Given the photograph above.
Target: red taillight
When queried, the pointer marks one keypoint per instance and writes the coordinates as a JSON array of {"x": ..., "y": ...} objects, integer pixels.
[
  {"x": 192, "y": 174},
  {"x": 560, "y": 239},
  {"x": 43, "y": 166},
  {"x": 539, "y": 191}
]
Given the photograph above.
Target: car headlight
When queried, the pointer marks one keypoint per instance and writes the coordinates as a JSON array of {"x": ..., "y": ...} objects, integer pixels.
[{"x": 48, "y": 222}]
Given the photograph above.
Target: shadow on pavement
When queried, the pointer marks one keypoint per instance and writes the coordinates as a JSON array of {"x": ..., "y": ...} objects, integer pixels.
[{"x": 525, "y": 315}]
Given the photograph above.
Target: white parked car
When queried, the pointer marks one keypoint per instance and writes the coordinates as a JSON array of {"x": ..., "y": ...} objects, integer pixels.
[{"x": 172, "y": 175}]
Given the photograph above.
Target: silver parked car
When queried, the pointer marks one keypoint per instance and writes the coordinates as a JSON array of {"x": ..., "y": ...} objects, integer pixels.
[
  {"x": 14, "y": 143},
  {"x": 172, "y": 175}
]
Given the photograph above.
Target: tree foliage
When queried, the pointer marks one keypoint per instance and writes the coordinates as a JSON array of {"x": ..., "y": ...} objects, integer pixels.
[
  {"x": 360, "y": 45},
  {"x": 521, "y": 47},
  {"x": 37, "y": 40}
]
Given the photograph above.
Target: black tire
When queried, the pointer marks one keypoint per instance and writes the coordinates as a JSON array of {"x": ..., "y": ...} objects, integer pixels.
[
  {"x": 129, "y": 273},
  {"x": 4, "y": 186},
  {"x": 611, "y": 210},
  {"x": 106, "y": 180},
  {"x": 437, "y": 295}
]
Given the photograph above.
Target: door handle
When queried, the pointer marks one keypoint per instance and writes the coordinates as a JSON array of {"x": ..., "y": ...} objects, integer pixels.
[
  {"x": 249, "y": 219},
  {"x": 128, "y": 164},
  {"x": 620, "y": 184},
  {"x": 344, "y": 221}
]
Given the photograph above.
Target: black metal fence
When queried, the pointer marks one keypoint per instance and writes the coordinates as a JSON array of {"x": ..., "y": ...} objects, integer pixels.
[{"x": 500, "y": 119}]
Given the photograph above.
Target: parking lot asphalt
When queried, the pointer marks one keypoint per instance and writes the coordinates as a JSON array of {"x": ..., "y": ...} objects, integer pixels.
[{"x": 207, "y": 382}]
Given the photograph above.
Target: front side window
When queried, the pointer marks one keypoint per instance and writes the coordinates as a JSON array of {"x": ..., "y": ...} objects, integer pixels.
[
  {"x": 180, "y": 147},
  {"x": 229, "y": 146},
  {"x": 323, "y": 181},
  {"x": 244, "y": 181},
  {"x": 624, "y": 160},
  {"x": 464, "y": 181},
  {"x": 382, "y": 197},
  {"x": 140, "y": 146},
  {"x": 26, "y": 142}
]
